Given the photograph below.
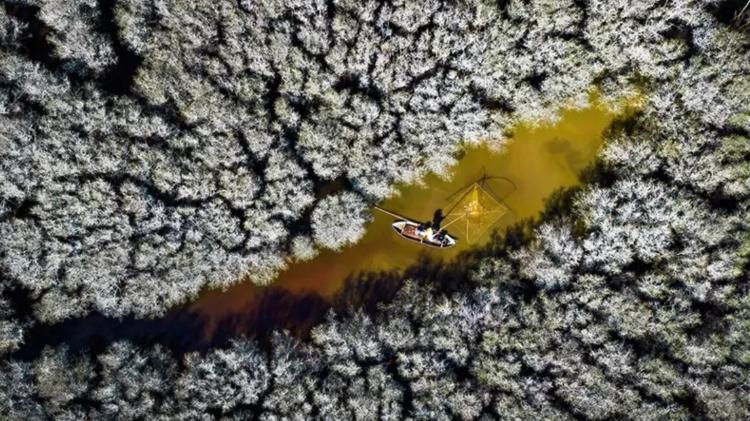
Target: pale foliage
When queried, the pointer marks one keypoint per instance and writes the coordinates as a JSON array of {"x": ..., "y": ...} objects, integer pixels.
[
  {"x": 631, "y": 305},
  {"x": 239, "y": 111},
  {"x": 338, "y": 221}
]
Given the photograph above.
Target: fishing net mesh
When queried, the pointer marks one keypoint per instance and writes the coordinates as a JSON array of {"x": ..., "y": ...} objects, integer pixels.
[{"x": 474, "y": 211}]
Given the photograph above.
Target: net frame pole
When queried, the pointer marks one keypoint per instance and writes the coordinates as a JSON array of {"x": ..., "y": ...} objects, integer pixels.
[{"x": 393, "y": 214}]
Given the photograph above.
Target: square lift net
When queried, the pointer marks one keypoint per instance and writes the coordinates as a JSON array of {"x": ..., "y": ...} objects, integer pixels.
[{"x": 476, "y": 208}]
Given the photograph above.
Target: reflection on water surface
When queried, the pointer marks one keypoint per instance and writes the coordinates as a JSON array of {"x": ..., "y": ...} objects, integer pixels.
[{"x": 538, "y": 160}]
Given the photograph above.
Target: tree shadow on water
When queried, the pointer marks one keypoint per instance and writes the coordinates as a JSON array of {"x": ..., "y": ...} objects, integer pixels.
[
  {"x": 273, "y": 309},
  {"x": 95, "y": 332},
  {"x": 276, "y": 308}
]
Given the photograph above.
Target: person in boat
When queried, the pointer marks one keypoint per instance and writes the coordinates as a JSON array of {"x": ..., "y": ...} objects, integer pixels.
[
  {"x": 437, "y": 219},
  {"x": 425, "y": 226},
  {"x": 430, "y": 230}
]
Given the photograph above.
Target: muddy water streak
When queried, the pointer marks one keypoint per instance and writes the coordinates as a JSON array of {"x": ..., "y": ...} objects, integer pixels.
[{"x": 538, "y": 160}]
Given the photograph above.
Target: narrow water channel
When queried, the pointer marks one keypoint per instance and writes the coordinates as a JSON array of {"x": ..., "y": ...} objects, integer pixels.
[{"x": 538, "y": 160}]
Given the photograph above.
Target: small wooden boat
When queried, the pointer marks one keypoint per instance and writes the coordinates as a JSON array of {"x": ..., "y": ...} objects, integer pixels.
[{"x": 413, "y": 231}]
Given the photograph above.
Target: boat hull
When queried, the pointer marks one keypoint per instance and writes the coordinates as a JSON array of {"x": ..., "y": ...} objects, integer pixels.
[{"x": 410, "y": 231}]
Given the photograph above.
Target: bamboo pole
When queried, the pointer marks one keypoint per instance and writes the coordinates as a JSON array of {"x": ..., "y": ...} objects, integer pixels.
[{"x": 395, "y": 215}]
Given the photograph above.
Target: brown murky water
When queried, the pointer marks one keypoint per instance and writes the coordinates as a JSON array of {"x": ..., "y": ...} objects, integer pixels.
[{"x": 538, "y": 160}]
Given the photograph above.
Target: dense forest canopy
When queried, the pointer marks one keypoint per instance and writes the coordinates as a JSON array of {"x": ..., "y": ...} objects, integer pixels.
[
  {"x": 149, "y": 149},
  {"x": 201, "y": 169}
]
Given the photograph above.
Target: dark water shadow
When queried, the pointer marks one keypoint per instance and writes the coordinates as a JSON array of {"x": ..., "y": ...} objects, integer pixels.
[
  {"x": 94, "y": 333},
  {"x": 569, "y": 154},
  {"x": 275, "y": 309}
]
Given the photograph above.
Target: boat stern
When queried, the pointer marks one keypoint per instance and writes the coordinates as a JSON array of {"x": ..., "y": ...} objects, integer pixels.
[{"x": 449, "y": 241}]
